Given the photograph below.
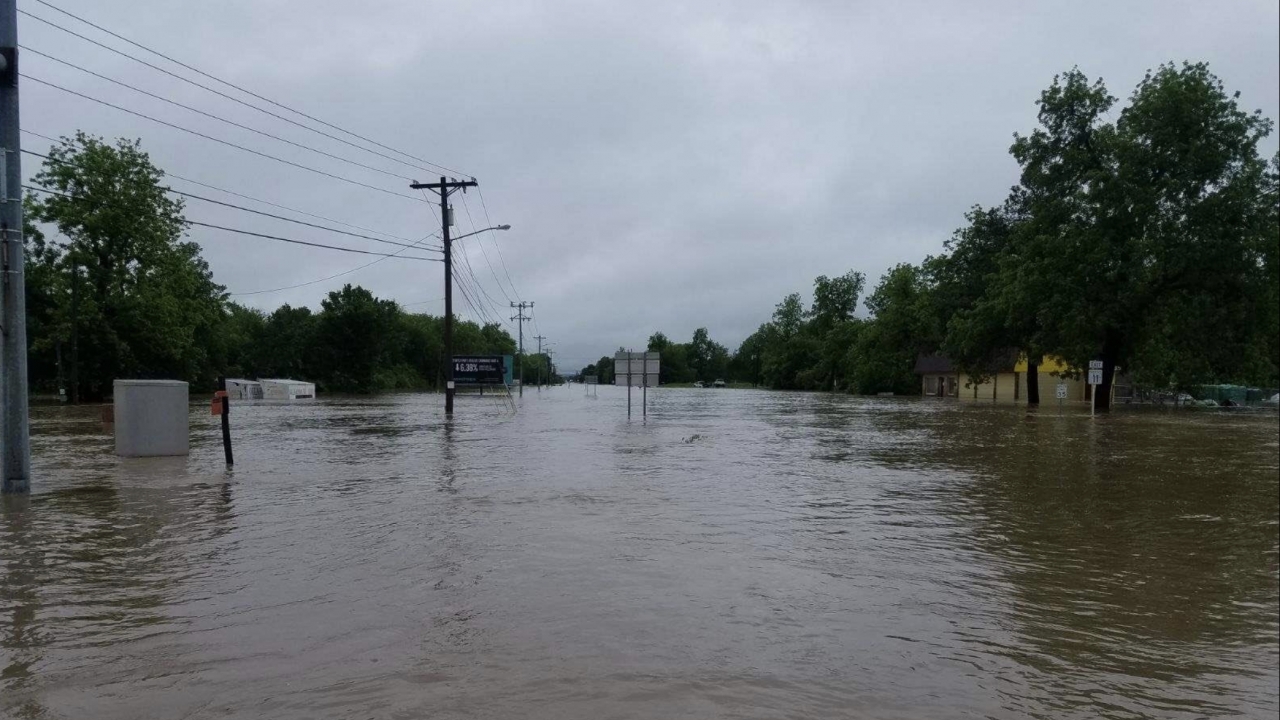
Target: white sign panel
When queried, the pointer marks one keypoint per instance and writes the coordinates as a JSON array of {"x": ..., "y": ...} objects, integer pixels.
[
  {"x": 641, "y": 368},
  {"x": 1062, "y": 391},
  {"x": 1095, "y": 365},
  {"x": 1095, "y": 376}
]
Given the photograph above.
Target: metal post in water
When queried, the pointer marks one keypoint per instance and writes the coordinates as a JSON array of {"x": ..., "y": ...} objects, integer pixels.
[
  {"x": 15, "y": 453},
  {"x": 226, "y": 428}
]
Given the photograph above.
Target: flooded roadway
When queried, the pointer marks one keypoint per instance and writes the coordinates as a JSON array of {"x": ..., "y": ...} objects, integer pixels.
[{"x": 739, "y": 555}]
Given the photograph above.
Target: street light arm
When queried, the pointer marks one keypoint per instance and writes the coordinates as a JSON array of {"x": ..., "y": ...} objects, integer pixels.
[{"x": 477, "y": 232}]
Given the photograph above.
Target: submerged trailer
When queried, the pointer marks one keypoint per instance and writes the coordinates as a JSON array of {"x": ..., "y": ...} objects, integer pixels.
[
  {"x": 241, "y": 389},
  {"x": 284, "y": 389}
]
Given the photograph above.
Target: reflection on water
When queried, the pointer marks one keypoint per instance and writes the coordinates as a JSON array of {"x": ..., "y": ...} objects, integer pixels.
[{"x": 735, "y": 554}]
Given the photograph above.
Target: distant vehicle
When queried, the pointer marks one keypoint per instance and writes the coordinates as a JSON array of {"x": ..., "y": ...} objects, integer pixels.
[
  {"x": 718, "y": 383},
  {"x": 698, "y": 384}
]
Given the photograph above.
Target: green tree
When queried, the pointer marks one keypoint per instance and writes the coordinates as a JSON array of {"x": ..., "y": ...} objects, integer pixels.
[
  {"x": 357, "y": 335},
  {"x": 883, "y": 359},
  {"x": 708, "y": 359},
  {"x": 145, "y": 302},
  {"x": 747, "y": 363},
  {"x": 833, "y": 325},
  {"x": 1148, "y": 240}
]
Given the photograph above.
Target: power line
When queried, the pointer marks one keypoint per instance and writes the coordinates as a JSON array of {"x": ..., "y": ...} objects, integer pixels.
[
  {"x": 311, "y": 244},
  {"x": 465, "y": 296},
  {"x": 37, "y": 188},
  {"x": 217, "y": 140},
  {"x": 198, "y": 111},
  {"x": 320, "y": 280},
  {"x": 231, "y": 85},
  {"x": 481, "y": 293},
  {"x": 237, "y": 194},
  {"x": 478, "y": 287},
  {"x": 489, "y": 223},
  {"x": 480, "y": 242},
  {"x": 257, "y": 212},
  {"x": 473, "y": 297},
  {"x": 422, "y": 302}
]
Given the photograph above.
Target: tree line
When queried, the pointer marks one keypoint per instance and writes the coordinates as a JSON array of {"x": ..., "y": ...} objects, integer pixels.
[
  {"x": 1148, "y": 241},
  {"x": 118, "y": 293}
]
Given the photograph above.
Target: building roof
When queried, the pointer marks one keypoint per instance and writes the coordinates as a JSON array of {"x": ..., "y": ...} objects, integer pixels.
[
  {"x": 933, "y": 364},
  {"x": 939, "y": 364}
]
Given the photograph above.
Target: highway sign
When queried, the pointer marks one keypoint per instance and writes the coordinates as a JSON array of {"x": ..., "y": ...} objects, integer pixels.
[
  {"x": 1095, "y": 364},
  {"x": 1095, "y": 376},
  {"x": 1062, "y": 391}
]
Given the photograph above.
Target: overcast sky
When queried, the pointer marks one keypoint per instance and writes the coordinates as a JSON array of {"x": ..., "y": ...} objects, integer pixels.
[{"x": 664, "y": 165}]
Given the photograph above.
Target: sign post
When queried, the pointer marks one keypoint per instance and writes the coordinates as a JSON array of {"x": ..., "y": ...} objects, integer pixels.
[
  {"x": 630, "y": 367},
  {"x": 1095, "y": 379}
]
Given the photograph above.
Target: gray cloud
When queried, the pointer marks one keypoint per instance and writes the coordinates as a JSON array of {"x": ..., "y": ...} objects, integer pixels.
[{"x": 665, "y": 165}]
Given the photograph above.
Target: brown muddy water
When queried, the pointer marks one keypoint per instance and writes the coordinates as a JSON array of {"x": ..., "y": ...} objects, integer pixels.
[{"x": 740, "y": 554}]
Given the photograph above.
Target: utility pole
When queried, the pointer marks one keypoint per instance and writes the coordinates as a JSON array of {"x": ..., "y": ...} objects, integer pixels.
[
  {"x": 539, "y": 338},
  {"x": 520, "y": 318},
  {"x": 16, "y": 453},
  {"x": 75, "y": 334},
  {"x": 445, "y": 188}
]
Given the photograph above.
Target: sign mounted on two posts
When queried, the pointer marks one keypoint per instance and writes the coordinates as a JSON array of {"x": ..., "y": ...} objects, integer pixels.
[
  {"x": 479, "y": 370},
  {"x": 637, "y": 369}
]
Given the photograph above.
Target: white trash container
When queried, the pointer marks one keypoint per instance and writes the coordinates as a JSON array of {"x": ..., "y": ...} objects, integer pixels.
[{"x": 152, "y": 418}]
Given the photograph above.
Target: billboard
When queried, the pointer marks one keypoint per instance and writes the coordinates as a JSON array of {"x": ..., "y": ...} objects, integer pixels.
[
  {"x": 639, "y": 369},
  {"x": 479, "y": 369}
]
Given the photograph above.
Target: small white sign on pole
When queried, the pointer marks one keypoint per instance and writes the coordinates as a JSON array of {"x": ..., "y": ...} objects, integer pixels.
[
  {"x": 1095, "y": 364},
  {"x": 1095, "y": 376},
  {"x": 1062, "y": 391}
]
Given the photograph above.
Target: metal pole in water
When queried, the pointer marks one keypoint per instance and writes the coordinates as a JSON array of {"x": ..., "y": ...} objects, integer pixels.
[
  {"x": 226, "y": 429},
  {"x": 16, "y": 455}
]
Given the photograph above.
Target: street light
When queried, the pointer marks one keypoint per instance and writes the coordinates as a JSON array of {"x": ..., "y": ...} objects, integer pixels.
[{"x": 477, "y": 232}]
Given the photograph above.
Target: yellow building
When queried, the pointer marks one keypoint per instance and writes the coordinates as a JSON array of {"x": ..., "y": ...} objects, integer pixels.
[{"x": 1006, "y": 384}]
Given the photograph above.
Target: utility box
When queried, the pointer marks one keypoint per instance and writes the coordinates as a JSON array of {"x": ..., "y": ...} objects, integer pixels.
[{"x": 152, "y": 418}]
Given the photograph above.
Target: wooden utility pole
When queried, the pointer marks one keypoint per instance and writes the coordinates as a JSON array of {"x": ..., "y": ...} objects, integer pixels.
[
  {"x": 520, "y": 317},
  {"x": 539, "y": 338},
  {"x": 446, "y": 188}
]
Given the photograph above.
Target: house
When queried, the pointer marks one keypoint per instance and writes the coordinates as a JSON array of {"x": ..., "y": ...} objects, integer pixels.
[
  {"x": 938, "y": 377},
  {"x": 1006, "y": 380}
]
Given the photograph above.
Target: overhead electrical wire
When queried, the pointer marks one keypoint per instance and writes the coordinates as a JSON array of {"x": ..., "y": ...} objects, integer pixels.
[
  {"x": 422, "y": 302},
  {"x": 496, "y": 244},
  {"x": 266, "y": 214},
  {"x": 480, "y": 242},
  {"x": 219, "y": 118},
  {"x": 235, "y": 194},
  {"x": 466, "y": 297},
  {"x": 232, "y": 85},
  {"x": 493, "y": 303},
  {"x": 320, "y": 280},
  {"x": 37, "y": 188},
  {"x": 217, "y": 140},
  {"x": 312, "y": 244}
]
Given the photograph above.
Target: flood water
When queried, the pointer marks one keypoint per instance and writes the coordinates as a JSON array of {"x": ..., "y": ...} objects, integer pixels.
[{"x": 739, "y": 554}]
